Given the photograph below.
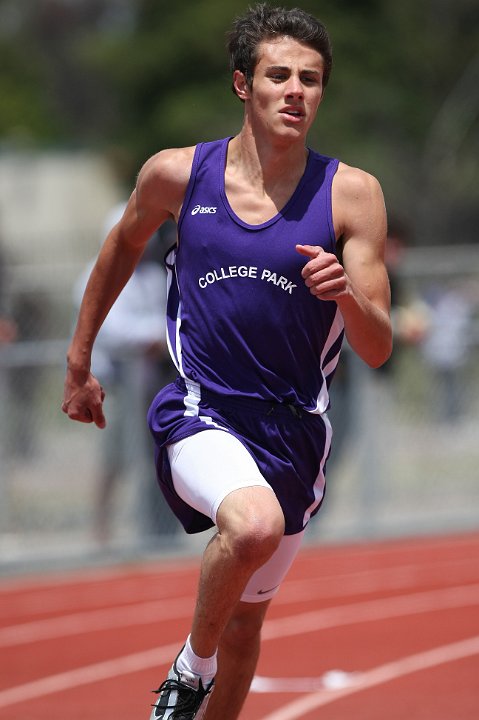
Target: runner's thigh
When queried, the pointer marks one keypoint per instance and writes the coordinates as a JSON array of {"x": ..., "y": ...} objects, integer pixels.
[{"x": 208, "y": 466}]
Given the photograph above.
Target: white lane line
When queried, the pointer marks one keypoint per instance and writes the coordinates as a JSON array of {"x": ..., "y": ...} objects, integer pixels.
[
  {"x": 40, "y": 600},
  {"x": 401, "y": 577},
  {"x": 96, "y": 620},
  {"x": 158, "y": 611},
  {"x": 123, "y": 572},
  {"x": 89, "y": 674},
  {"x": 372, "y": 610},
  {"x": 142, "y": 571},
  {"x": 378, "y": 676},
  {"x": 333, "y": 679},
  {"x": 272, "y": 630}
]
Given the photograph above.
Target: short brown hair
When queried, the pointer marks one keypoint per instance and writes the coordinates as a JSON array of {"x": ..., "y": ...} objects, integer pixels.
[{"x": 263, "y": 22}]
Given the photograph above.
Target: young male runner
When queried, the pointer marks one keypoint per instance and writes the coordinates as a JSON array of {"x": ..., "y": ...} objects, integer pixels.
[{"x": 258, "y": 305}]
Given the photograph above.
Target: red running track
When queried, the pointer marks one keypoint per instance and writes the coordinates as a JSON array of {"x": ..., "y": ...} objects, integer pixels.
[{"x": 364, "y": 631}]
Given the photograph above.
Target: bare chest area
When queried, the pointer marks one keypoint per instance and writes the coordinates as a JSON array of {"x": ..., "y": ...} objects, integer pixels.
[{"x": 256, "y": 205}]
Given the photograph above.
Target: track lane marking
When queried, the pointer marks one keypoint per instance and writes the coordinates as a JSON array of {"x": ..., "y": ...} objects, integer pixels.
[
  {"x": 372, "y": 610},
  {"x": 88, "y": 675},
  {"x": 378, "y": 580},
  {"x": 42, "y": 600},
  {"x": 158, "y": 611},
  {"x": 96, "y": 621},
  {"x": 273, "y": 629},
  {"x": 124, "y": 570},
  {"x": 96, "y": 575},
  {"x": 378, "y": 676}
]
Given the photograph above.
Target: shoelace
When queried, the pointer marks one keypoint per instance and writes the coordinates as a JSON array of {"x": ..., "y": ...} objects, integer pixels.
[{"x": 188, "y": 698}]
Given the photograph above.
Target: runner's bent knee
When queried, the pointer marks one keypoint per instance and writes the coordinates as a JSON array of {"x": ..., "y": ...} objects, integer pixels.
[{"x": 251, "y": 523}]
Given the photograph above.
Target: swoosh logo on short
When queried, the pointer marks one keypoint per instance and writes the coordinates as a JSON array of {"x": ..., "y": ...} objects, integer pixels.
[{"x": 265, "y": 592}]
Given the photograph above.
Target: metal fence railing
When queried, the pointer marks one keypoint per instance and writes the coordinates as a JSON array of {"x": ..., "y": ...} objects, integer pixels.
[{"x": 405, "y": 458}]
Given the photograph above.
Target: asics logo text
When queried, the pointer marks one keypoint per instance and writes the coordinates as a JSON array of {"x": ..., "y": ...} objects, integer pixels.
[{"x": 203, "y": 210}]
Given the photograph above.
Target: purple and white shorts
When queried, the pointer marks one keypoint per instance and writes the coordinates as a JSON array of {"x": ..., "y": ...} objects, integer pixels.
[{"x": 289, "y": 448}]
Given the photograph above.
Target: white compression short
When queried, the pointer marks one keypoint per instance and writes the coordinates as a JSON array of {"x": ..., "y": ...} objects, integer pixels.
[{"x": 208, "y": 466}]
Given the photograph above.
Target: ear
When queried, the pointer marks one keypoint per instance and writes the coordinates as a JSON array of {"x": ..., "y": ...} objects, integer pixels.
[{"x": 240, "y": 85}]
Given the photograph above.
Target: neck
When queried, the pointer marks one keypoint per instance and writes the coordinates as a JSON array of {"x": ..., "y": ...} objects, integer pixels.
[{"x": 267, "y": 161}]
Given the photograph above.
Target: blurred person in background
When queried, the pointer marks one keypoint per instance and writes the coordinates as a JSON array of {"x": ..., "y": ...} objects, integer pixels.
[
  {"x": 258, "y": 305},
  {"x": 409, "y": 323},
  {"x": 131, "y": 357},
  {"x": 8, "y": 334},
  {"x": 408, "y": 313},
  {"x": 30, "y": 313},
  {"x": 447, "y": 343},
  {"x": 22, "y": 320},
  {"x": 8, "y": 330}
]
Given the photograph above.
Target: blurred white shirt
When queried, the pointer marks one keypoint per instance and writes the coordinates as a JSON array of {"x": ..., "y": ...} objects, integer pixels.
[{"x": 137, "y": 320}]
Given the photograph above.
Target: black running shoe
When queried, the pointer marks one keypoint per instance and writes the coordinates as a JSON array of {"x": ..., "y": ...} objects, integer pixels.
[{"x": 182, "y": 697}]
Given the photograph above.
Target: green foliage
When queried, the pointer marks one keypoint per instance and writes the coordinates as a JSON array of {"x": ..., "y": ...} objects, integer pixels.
[
  {"x": 139, "y": 75},
  {"x": 25, "y": 111}
]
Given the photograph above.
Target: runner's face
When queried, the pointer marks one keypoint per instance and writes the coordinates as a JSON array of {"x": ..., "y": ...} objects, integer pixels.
[{"x": 287, "y": 87}]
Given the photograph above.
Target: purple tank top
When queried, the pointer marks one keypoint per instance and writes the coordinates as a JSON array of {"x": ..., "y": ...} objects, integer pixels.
[{"x": 240, "y": 319}]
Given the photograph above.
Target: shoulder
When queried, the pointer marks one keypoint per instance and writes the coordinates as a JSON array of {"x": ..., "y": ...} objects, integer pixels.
[
  {"x": 164, "y": 178},
  {"x": 353, "y": 184},
  {"x": 357, "y": 199},
  {"x": 171, "y": 166}
]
